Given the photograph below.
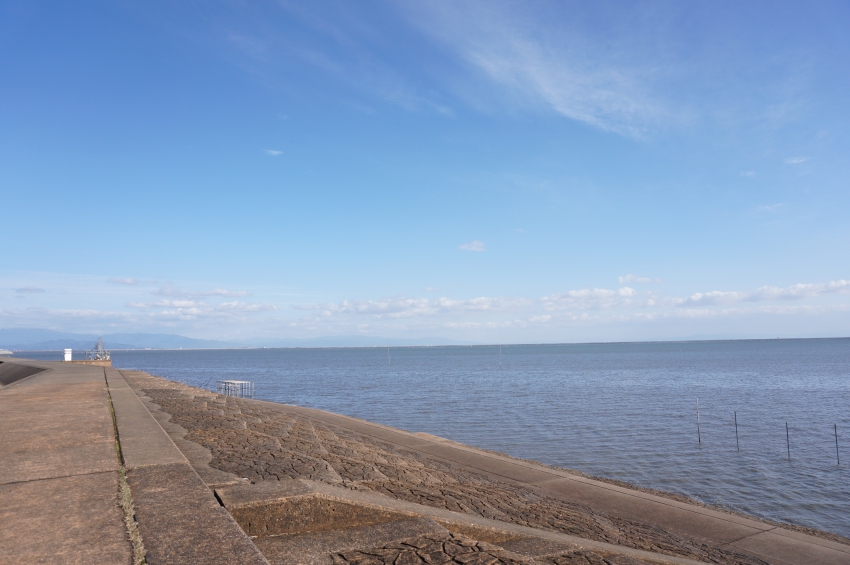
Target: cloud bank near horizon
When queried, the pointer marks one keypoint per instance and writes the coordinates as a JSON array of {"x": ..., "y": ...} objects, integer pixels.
[{"x": 224, "y": 314}]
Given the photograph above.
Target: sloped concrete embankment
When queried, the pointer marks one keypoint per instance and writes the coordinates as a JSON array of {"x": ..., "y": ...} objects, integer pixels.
[
  {"x": 218, "y": 480},
  {"x": 306, "y": 484}
]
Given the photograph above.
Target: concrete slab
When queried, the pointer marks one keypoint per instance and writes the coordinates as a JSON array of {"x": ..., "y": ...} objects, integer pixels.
[
  {"x": 780, "y": 549},
  {"x": 291, "y": 499},
  {"x": 59, "y": 470},
  {"x": 689, "y": 521},
  {"x": 56, "y": 424},
  {"x": 316, "y": 547},
  {"x": 197, "y": 455},
  {"x": 11, "y": 373},
  {"x": 181, "y": 522},
  {"x": 143, "y": 441},
  {"x": 65, "y": 520},
  {"x": 686, "y": 520}
]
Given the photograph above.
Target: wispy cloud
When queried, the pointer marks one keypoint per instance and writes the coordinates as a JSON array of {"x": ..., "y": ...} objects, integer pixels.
[
  {"x": 586, "y": 304},
  {"x": 340, "y": 41},
  {"x": 569, "y": 72},
  {"x": 748, "y": 174},
  {"x": 29, "y": 290},
  {"x": 629, "y": 279},
  {"x": 404, "y": 307},
  {"x": 473, "y": 246},
  {"x": 125, "y": 280},
  {"x": 273, "y": 152},
  {"x": 172, "y": 291},
  {"x": 796, "y": 160},
  {"x": 198, "y": 310},
  {"x": 590, "y": 298},
  {"x": 769, "y": 207},
  {"x": 794, "y": 292}
]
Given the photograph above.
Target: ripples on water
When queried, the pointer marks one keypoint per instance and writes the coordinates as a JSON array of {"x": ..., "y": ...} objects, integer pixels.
[{"x": 623, "y": 411}]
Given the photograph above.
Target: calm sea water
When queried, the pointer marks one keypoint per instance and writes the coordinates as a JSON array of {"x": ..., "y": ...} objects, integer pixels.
[{"x": 623, "y": 411}]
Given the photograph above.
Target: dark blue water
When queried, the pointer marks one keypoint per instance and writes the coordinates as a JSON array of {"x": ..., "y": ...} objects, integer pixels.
[{"x": 623, "y": 411}]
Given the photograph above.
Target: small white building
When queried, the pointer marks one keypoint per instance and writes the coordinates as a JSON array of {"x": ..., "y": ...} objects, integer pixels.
[{"x": 68, "y": 354}]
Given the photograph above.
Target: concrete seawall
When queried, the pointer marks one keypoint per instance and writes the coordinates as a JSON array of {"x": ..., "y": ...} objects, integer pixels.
[{"x": 220, "y": 480}]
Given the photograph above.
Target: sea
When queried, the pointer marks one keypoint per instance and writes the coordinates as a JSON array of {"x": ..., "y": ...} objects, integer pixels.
[{"x": 757, "y": 426}]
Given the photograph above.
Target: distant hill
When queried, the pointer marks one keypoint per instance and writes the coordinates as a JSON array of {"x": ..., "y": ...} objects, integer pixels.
[
  {"x": 26, "y": 339},
  {"x": 355, "y": 341}
]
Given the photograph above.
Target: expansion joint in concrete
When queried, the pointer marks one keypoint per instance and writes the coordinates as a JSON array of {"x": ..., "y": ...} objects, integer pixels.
[
  {"x": 114, "y": 422},
  {"x": 734, "y": 541},
  {"x": 54, "y": 477},
  {"x": 125, "y": 496}
]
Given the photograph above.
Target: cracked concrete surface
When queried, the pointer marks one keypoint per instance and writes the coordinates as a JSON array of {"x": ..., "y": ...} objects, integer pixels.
[{"x": 264, "y": 442}]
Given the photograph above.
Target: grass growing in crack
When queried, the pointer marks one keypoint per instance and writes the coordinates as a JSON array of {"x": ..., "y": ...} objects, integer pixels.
[
  {"x": 125, "y": 497},
  {"x": 125, "y": 500}
]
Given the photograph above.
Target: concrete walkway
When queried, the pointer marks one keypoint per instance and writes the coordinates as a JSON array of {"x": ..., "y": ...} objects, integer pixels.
[
  {"x": 59, "y": 478},
  {"x": 773, "y": 544},
  {"x": 59, "y": 470}
]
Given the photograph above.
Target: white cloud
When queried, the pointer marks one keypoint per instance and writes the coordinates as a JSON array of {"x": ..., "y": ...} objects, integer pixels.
[
  {"x": 769, "y": 207},
  {"x": 31, "y": 289},
  {"x": 796, "y": 160},
  {"x": 237, "y": 306},
  {"x": 628, "y": 279},
  {"x": 125, "y": 280},
  {"x": 748, "y": 174},
  {"x": 221, "y": 292},
  {"x": 404, "y": 307},
  {"x": 590, "y": 299},
  {"x": 168, "y": 304},
  {"x": 273, "y": 152},
  {"x": 195, "y": 307},
  {"x": 91, "y": 304},
  {"x": 473, "y": 246},
  {"x": 569, "y": 72},
  {"x": 794, "y": 292},
  {"x": 173, "y": 291}
]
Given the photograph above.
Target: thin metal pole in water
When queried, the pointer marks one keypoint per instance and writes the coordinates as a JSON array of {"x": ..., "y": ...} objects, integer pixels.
[
  {"x": 737, "y": 444},
  {"x": 837, "y": 458},
  {"x": 699, "y": 436},
  {"x": 787, "y": 440}
]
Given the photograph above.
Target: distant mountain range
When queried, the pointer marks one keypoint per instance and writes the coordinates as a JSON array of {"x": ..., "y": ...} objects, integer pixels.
[{"x": 26, "y": 339}]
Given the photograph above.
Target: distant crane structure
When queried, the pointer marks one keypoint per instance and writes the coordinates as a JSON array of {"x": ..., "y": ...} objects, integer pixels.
[{"x": 99, "y": 353}]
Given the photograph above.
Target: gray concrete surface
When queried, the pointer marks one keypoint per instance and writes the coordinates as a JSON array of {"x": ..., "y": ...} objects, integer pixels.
[
  {"x": 775, "y": 545},
  {"x": 243, "y": 500},
  {"x": 59, "y": 478},
  {"x": 59, "y": 484},
  {"x": 59, "y": 470},
  {"x": 143, "y": 441},
  {"x": 11, "y": 373},
  {"x": 179, "y": 518},
  {"x": 182, "y": 523}
]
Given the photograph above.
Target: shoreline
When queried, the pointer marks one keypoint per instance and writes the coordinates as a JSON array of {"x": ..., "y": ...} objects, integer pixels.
[
  {"x": 824, "y": 534},
  {"x": 838, "y": 538},
  {"x": 255, "y": 451},
  {"x": 98, "y": 462}
]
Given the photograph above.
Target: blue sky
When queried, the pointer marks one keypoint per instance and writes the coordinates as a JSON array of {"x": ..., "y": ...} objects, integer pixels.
[{"x": 488, "y": 171}]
